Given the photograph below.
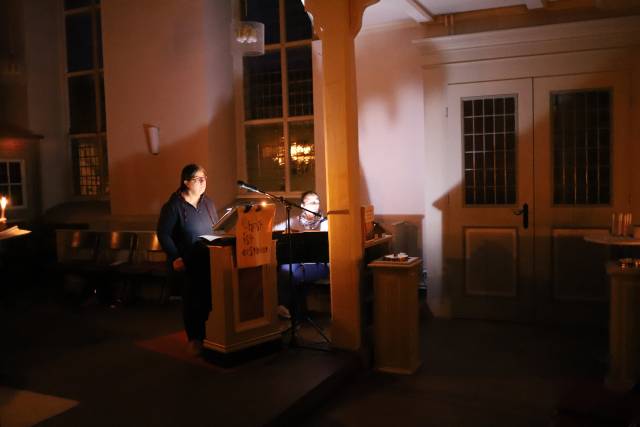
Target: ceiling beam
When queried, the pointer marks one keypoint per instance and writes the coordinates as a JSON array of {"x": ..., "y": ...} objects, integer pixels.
[{"x": 416, "y": 11}]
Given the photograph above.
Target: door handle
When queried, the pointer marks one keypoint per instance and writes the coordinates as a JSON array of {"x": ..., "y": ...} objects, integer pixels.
[{"x": 525, "y": 215}]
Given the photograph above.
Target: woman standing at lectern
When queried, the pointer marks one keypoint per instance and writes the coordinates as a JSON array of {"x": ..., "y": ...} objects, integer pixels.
[{"x": 187, "y": 214}]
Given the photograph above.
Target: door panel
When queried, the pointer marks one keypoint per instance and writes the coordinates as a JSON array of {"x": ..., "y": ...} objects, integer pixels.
[
  {"x": 488, "y": 252},
  {"x": 485, "y": 272},
  {"x": 582, "y": 176},
  {"x": 574, "y": 279}
]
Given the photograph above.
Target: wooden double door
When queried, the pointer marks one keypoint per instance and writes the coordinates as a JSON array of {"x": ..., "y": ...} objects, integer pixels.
[{"x": 542, "y": 162}]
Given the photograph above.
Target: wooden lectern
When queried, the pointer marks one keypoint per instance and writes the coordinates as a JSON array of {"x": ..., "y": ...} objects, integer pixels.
[{"x": 244, "y": 302}]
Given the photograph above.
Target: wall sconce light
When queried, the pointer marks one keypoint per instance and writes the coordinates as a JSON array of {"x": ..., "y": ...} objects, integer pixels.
[{"x": 153, "y": 138}]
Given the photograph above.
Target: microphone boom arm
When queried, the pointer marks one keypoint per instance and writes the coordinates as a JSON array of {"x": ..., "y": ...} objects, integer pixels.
[{"x": 280, "y": 199}]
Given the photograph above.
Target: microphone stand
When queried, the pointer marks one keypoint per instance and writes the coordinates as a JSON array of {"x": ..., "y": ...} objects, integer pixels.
[{"x": 294, "y": 292}]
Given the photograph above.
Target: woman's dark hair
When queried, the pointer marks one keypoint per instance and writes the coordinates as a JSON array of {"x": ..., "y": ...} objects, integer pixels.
[
  {"x": 308, "y": 193},
  {"x": 187, "y": 173}
]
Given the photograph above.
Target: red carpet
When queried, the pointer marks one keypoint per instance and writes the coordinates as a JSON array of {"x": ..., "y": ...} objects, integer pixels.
[{"x": 175, "y": 346}]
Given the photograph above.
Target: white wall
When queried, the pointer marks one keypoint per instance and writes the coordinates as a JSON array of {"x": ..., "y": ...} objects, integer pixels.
[
  {"x": 168, "y": 64},
  {"x": 45, "y": 97},
  {"x": 391, "y": 120}
]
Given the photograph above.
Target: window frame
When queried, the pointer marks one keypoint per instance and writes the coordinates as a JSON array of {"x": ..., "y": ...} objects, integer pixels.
[
  {"x": 284, "y": 120},
  {"x": 97, "y": 72},
  {"x": 23, "y": 183}
]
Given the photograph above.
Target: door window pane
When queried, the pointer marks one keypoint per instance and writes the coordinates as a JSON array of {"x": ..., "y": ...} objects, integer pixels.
[
  {"x": 300, "y": 80},
  {"x": 581, "y": 147},
  {"x": 262, "y": 86},
  {"x": 266, "y": 156},
  {"x": 489, "y": 146},
  {"x": 302, "y": 156}
]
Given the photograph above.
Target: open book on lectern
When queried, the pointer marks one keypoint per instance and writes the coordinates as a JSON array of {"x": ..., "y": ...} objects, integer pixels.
[{"x": 224, "y": 227}]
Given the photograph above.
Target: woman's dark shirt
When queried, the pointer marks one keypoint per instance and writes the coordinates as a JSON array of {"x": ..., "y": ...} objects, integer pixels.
[{"x": 180, "y": 224}]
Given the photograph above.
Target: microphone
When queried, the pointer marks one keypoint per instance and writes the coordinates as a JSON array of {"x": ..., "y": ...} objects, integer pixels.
[{"x": 246, "y": 186}]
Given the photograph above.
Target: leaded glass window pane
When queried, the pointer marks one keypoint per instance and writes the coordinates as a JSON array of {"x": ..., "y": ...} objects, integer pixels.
[
  {"x": 489, "y": 147},
  {"x": 581, "y": 134},
  {"x": 300, "y": 80},
  {"x": 99, "y": 38},
  {"x": 87, "y": 166},
  {"x": 267, "y": 12},
  {"x": 82, "y": 104},
  {"x": 103, "y": 110},
  {"x": 302, "y": 156},
  {"x": 298, "y": 22},
  {"x": 266, "y": 156},
  {"x": 74, "y": 4},
  {"x": 262, "y": 86},
  {"x": 11, "y": 182},
  {"x": 79, "y": 42}
]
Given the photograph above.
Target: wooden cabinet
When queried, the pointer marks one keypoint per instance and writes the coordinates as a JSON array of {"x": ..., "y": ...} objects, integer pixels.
[
  {"x": 624, "y": 327},
  {"x": 396, "y": 317}
]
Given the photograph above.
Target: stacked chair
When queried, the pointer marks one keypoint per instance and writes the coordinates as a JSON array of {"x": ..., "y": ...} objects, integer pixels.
[
  {"x": 95, "y": 257},
  {"x": 149, "y": 263},
  {"x": 112, "y": 264}
]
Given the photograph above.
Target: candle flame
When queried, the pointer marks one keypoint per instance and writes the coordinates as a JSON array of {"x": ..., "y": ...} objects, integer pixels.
[{"x": 3, "y": 202}]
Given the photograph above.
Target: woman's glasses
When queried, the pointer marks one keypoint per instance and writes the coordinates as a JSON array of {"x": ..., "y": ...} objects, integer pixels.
[{"x": 199, "y": 179}]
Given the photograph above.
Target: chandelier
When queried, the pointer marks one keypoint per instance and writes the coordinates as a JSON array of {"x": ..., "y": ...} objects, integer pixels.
[
  {"x": 301, "y": 155},
  {"x": 248, "y": 38}
]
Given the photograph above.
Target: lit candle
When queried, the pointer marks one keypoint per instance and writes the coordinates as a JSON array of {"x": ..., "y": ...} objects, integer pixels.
[{"x": 3, "y": 205}]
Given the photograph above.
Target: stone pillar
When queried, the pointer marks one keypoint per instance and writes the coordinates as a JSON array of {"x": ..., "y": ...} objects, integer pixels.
[{"x": 337, "y": 22}]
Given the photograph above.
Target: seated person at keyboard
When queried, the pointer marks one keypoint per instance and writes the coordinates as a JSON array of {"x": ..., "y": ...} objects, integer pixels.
[
  {"x": 303, "y": 220},
  {"x": 307, "y": 272}
]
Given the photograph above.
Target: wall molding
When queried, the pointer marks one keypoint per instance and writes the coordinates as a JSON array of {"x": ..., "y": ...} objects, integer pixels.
[{"x": 539, "y": 40}]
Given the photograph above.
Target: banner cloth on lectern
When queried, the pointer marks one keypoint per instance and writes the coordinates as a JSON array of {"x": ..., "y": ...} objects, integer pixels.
[{"x": 253, "y": 235}]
